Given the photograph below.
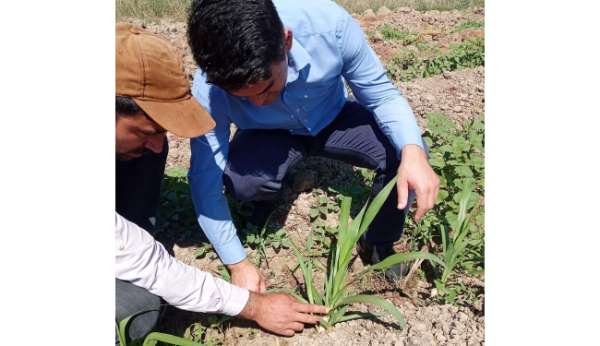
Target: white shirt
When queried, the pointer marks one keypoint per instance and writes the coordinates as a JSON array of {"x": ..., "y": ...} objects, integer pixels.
[{"x": 145, "y": 262}]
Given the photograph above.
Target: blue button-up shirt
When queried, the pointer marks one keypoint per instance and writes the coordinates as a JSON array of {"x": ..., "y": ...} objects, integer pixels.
[{"x": 328, "y": 46}]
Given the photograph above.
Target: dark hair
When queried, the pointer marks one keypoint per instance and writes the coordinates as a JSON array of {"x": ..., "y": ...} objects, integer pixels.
[
  {"x": 125, "y": 105},
  {"x": 235, "y": 42}
]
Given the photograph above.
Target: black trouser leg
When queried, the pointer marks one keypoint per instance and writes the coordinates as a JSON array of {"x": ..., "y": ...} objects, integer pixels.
[
  {"x": 354, "y": 137},
  {"x": 130, "y": 300},
  {"x": 138, "y": 184}
]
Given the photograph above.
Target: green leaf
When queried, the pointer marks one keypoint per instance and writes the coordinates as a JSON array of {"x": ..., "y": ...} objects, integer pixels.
[
  {"x": 225, "y": 275},
  {"x": 154, "y": 337},
  {"x": 377, "y": 301},
  {"x": 337, "y": 314},
  {"x": 358, "y": 315},
  {"x": 122, "y": 325},
  {"x": 345, "y": 214},
  {"x": 405, "y": 257},
  {"x": 437, "y": 161},
  {"x": 176, "y": 172},
  {"x": 450, "y": 218},
  {"x": 314, "y": 213},
  {"x": 313, "y": 295},
  {"x": 442, "y": 195},
  {"x": 376, "y": 205},
  {"x": 464, "y": 171}
]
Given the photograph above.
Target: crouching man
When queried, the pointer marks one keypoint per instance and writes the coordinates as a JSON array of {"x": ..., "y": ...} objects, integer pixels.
[{"x": 153, "y": 97}]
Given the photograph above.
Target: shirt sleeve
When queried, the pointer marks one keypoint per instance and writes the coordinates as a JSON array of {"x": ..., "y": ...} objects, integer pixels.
[
  {"x": 209, "y": 156},
  {"x": 368, "y": 80},
  {"x": 144, "y": 262}
]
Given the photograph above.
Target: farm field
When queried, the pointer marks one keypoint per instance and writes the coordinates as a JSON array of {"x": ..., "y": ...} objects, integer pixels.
[{"x": 436, "y": 58}]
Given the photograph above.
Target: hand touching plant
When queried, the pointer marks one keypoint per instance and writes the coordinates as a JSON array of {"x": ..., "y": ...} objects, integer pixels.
[{"x": 335, "y": 294}]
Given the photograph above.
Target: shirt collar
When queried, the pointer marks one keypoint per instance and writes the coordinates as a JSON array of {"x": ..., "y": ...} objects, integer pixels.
[{"x": 298, "y": 59}]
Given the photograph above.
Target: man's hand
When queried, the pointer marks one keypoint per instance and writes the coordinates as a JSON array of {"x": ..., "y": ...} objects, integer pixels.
[
  {"x": 416, "y": 174},
  {"x": 280, "y": 313},
  {"x": 245, "y": 274}
]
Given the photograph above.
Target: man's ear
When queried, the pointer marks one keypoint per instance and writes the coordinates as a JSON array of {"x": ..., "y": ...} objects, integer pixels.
[{"x": 288, "y": 36}]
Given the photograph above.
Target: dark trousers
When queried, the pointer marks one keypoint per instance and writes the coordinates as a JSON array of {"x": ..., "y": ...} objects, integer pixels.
[
  {"x": 131, "y": 300},
  {"x": 260, "y": 159},
  {"x": 138, "y": 184}
]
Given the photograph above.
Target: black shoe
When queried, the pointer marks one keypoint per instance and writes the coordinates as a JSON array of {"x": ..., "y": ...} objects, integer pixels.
[{"x": 373, "y": 254}]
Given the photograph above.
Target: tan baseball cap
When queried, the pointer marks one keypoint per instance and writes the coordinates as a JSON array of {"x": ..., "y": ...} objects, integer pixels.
[{"x": 149, "y": 70}]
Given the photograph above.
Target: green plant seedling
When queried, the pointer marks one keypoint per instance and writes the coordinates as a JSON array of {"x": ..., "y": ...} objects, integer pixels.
[
  {"x": 335, "y": 293},
  {"x": 260, "y": 240},
  {"x": 454, "y": 245}
]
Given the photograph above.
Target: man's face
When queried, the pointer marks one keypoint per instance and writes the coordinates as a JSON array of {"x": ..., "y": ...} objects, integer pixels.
[
  {"x": 136, "y": 134},
  {"x": 267, "y": 91}
]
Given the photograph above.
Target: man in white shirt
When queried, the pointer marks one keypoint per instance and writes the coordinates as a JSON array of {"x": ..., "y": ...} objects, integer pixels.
[{"x": 152, "y": 97}]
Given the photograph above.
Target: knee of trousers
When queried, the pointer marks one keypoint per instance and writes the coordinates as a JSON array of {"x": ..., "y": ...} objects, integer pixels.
[
  {"x": 132, "y": 300},
  {"x": 251, "y": 188}
]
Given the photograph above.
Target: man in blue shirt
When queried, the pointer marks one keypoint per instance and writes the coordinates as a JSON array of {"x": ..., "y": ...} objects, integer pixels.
[{"x": 277, "y": 70}]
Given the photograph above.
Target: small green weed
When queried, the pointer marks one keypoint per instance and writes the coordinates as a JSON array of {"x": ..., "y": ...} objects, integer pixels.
[
  {"x": 320, "y": 230},
  {"x": 467, "y": 25},
  {"x": 205, "y": 249},
  {"x": 260, "y": 240},
  {"x": 406, "y": 65},
  {"x": 454, "y": 227},
  {"x": 389, "y": 32}
]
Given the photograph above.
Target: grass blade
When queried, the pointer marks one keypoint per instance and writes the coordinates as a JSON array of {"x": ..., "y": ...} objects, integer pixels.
[
  {"x": 313, "y": 295},
  {"x": 346, "y": 243},
  {"x": 444, "y": 232},
  {"x": 358, "y": 315},
  {"x": 377, "y": 301},
  {"x": 345, "y": 213},
  {"x": 376, "y": 204},
  {"x": 405, "y": 257},
  {"x": 153, "y": 338},
  {"x": 122, "y": 326}
]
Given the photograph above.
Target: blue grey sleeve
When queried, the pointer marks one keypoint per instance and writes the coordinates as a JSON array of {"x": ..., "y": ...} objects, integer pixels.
[{"x": 368, "y": 80}]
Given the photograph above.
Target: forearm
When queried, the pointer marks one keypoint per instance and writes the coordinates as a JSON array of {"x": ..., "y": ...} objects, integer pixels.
[
  {"x": 398, "y": 123},
  {"x": 222, "y": 235},
  {"x": 144, "y": 262},
  {"x": 214, "y": 217},
  {"x": 373, "y": 89}
]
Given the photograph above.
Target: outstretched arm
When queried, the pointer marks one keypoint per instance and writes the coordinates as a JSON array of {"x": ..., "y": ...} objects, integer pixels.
[{"x": 369, "y": 82}]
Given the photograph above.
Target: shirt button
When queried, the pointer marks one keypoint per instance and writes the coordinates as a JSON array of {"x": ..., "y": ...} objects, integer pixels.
[
  {"x": 298, "y": 110},
  {"x": 305, "y": 96},
  {"x": 308, "y": 128}
]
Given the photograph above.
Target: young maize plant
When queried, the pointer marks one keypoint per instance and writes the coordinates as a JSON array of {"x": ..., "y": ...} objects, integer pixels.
[
  {"x": 335, "y": 293},
  {"x": 151, "y": 339},
  {"x": 454, "y": 246}
]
